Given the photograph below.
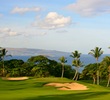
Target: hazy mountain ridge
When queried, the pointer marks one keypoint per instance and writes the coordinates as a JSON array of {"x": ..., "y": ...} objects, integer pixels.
[{"x": 34, "y": 52}]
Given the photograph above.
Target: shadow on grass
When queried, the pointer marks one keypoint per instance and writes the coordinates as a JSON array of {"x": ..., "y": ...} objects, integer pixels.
[{"x": 75, "y": 96}]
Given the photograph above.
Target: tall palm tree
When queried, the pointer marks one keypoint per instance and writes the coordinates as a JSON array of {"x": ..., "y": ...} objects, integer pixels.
[
  {"x": 106, "y": 62},
  {"x": 3, "y": 54},
  {"x": 75, "y": 55},
  {"x": 96, "y": 53},
  {"x": 63, "y": 61},
  {"x": 77, "y": 63}
]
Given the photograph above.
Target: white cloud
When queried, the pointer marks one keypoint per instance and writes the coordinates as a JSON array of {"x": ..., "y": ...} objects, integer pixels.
[
  {"x": 90, "y": 7},
  {"x": 24, "y": 10},
  {"x": 52, "y": 21},
  {"x": 8, "y": 32}
]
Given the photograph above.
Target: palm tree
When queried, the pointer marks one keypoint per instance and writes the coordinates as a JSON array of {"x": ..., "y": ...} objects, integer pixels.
[
  {"x": 106, "y": 62},
  {"x": 62, "y": 60},
  {"x": 3, "y": 53},
  {"x": 96, "y": 53},
  {"x": 77, "y": 63},
  {"x": 76, "y": 55}
]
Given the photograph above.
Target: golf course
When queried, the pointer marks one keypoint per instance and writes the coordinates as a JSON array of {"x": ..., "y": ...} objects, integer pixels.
[{"x": 36, "y": 89}]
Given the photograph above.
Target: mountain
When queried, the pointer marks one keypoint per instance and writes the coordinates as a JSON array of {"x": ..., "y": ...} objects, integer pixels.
[{"x": 34, "y": 52}]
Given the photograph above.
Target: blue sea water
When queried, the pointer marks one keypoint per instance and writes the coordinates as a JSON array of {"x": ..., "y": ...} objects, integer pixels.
[{"x": 86, "y": 59}]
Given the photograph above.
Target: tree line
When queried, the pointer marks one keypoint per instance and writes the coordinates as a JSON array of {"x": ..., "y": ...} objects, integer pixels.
[
  {"x": 42, "y": 66},
  {"x": 38, "y": 66}
]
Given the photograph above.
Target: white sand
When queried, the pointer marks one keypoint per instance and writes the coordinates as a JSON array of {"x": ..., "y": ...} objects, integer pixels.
[
  {"x": 68, "y": 86},
  {"x": 15, "y": 78}
]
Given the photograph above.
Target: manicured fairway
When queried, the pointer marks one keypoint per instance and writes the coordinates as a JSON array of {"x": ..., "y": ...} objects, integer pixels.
[{"x": 34, "y": 89}]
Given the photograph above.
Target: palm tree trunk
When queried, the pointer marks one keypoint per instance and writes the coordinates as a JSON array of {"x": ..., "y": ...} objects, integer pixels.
[
  {"x": 3, "y": 71},
  {"x": 75, "y": 74},
  {"x": 108, "y": 80},
  {"x": 77, "y": 77},
  {"x": 97, "y": 77},
  {"x": 97, "y": 73},
  {"x": 62, "y": 70},
  {"x": 94, "y": 79}
]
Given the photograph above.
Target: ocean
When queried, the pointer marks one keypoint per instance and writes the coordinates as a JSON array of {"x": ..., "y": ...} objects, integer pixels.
[{"x": 86, "y": 59}]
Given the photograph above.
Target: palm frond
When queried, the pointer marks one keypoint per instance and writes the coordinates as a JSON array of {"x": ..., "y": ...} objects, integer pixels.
[
  {"x": 97, "y": 52},
  {"x": 75, "y": 54}
]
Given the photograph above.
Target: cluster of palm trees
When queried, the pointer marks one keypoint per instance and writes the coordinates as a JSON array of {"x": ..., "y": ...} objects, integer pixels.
[
  {"x": 76, "y": 62},
  {"x": 96, "y": 53}
]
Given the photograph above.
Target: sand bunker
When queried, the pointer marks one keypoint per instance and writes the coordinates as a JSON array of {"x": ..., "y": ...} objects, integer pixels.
[
  {"x": 15, "y": 78},
  {"x": 68, "y": 86}
]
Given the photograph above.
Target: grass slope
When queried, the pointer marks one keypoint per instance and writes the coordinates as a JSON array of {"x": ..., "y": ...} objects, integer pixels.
[{"x": 33, "y": 89}]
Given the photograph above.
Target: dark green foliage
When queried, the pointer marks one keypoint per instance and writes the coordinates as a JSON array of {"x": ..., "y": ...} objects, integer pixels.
[
  {"x": 13, "y": 67},
  {"x": 44, "y": 67},
  {"x": 105, "y": 65},
  {"x": 40, "y": 59},
  {"x": 26, "y": 69},
  {"x": 41, "y": 64},
  {"x": 14, "y": 63},
  {"x": 89, "y": 71},
  {"x": 69, "y": 72}
]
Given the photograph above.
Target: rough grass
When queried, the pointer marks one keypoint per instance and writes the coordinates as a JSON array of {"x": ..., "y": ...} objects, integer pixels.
[{"x": 34, "y": 89}]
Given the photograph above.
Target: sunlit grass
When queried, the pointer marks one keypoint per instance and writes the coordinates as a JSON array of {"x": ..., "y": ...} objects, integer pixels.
[{"x": 34, "y": 89}]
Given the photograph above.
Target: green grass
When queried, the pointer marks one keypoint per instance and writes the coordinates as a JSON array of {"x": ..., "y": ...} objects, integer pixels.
[{"x": 34, "y": 89}]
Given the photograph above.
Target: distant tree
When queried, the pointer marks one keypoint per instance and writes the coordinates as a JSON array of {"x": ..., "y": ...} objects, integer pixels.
[
  {"x": 41, "y": 64},
  {"x": 3, "y": 54},
  {"x": 62, "y": 61},
  {"x": 26, "y": 68},
  {"x": 69, "y": 71},
  {"x": 89, "y": 72},
  {"x": 13, "y": 67},
  {"x": 54, "y": 68},
  {"x": 76, "y": 62},
  {"x": 96, "y": 53}
]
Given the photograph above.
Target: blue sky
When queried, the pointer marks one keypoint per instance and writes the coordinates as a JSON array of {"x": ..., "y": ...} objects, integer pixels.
[{"x": 64, "y": 25}]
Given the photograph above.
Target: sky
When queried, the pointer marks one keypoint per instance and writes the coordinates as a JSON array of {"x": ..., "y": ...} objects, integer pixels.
[{"x": 63, "y": 25}]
